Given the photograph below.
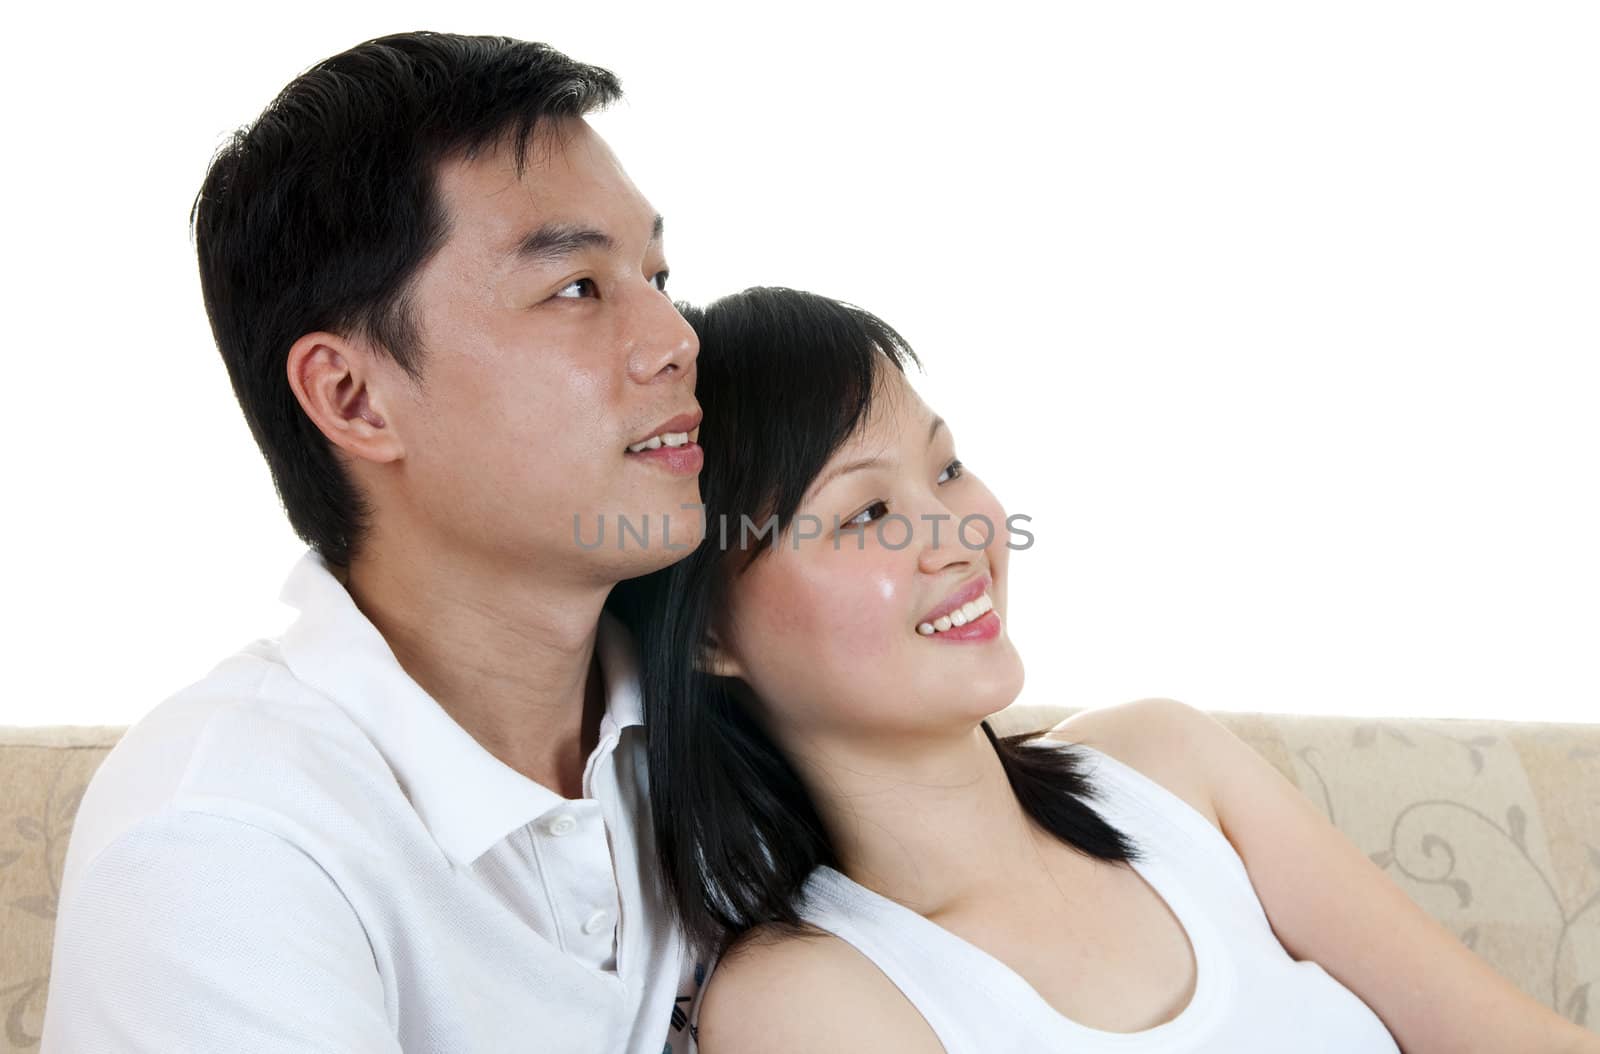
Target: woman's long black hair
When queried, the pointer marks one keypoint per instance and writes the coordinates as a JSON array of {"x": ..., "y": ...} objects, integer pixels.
[{"x": 785, "y": 378}]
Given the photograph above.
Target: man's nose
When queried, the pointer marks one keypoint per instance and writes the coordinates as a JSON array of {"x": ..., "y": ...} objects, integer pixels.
[{"x": 663, "y": 342}]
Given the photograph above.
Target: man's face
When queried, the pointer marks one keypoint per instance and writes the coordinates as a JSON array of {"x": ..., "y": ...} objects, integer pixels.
[{"x": 549, "y": 348}]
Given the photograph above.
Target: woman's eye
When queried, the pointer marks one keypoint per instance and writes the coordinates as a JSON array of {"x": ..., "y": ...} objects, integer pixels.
[
  {"x": 956, "y": 466},
  {"x": 580, "y": 284},
  {"x": 660, "y": 280},
  {"x": 856, "y": 520}
]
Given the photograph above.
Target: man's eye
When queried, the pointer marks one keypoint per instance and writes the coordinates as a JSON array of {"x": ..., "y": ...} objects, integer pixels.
[
  {"x": 856, "y": 521},
  {"x": 584, "y": 285},
  {"x": 957, "y": 466},
  {"x": 660, "y": 280}
]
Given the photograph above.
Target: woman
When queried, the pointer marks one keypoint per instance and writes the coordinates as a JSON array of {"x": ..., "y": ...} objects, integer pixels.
[{"x": 828, "y": 798}]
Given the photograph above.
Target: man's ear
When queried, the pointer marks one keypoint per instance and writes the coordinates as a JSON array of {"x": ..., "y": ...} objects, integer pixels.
[
  {"x": 335, "y": 380},
  {"x": 715, "y": 660}
]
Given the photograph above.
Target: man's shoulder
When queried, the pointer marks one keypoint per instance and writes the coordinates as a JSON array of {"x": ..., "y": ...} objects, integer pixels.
[{"x": 246, "y": 741}]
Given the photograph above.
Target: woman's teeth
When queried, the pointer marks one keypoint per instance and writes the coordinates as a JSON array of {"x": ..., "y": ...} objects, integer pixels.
[
  {"x": 664, "y": 439},
  {"x": 959, "y": 617}
]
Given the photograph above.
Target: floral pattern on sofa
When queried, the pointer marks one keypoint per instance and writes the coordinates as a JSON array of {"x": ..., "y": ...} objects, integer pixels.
[{"x": 43, "y": 773}]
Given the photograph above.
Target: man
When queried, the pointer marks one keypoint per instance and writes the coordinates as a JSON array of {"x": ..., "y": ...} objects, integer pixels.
[{"x": 418, "y": 820}]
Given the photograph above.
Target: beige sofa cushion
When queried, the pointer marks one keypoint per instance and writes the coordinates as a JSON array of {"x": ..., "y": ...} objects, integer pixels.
[
  {"x": 43, "y": 772},
  {"x": 1493, "y": 827}
]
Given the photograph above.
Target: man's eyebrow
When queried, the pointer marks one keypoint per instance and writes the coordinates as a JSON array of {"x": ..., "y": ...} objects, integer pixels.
[{"x": 557, "y": 241}]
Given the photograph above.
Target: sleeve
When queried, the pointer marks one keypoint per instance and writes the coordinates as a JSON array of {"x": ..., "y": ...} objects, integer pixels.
[{"x": 193, "y": 932}]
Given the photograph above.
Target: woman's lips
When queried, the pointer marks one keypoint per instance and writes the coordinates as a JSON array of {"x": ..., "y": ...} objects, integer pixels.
[
  {"x": 972, "y": 605},
  {"x": 970, "y": 591},
  {"x": 985, "y": 627}
]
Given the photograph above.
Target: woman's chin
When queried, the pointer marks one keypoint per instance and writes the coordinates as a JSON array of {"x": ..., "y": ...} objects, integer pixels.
[{"x": 986, "y": 691}]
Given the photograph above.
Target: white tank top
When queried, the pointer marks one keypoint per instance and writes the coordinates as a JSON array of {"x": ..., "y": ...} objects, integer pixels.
[{"x": 1250, "y": 996}]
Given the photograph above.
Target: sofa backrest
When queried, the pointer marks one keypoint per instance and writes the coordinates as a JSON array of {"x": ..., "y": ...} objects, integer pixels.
[{"x": 1492, "y": 827}]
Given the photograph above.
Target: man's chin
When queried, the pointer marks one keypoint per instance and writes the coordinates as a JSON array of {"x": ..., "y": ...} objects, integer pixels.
[
  {"x": 668, "y": 548},
  {"x": 633, "y": 552},
  {"x": 662, "y": 559}
]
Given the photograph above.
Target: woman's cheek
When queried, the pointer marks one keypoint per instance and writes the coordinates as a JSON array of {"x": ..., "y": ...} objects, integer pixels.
[
  {"x": 999, "y": 554},
  {"x": 989, "y": 534},
  {"x": 814, "y": 618},
  {"x": 867, "y": 609}
]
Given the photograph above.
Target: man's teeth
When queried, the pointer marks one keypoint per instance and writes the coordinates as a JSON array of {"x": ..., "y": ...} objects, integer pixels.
[
  {"x": 664, "y": 439},
  {"x": 959, "y": 617}
]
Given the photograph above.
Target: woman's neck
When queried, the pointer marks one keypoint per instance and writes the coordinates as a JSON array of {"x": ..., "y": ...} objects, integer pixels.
[{"x": 931, "y": 823}]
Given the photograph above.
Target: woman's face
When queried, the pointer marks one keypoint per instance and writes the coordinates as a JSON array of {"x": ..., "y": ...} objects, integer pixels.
[{"x": 831, "y": 628}]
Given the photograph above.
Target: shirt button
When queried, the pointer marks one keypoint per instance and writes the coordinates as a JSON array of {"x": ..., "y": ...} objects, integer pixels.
[
  {"x": 595, "y": 922},
  {"x": 561, "y": 825}
]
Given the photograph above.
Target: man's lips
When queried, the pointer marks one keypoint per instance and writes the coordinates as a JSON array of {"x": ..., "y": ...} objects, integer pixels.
[
  {"x": 684, "y": 422},
  {"x": 684, "y": 460}
]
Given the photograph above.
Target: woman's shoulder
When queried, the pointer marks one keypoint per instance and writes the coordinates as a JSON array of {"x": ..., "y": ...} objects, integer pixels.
[
  {"x": 1148, "y": 736},
  {"x": 780, "y": 990}
]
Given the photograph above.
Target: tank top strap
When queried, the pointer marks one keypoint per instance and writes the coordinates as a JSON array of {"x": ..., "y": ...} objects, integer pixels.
[
  {"x": 947, "y": 980},
  {"x": 1172, "y": 828}
]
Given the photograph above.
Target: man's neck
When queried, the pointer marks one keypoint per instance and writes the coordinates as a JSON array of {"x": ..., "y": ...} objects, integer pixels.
[{"x": 509, "y": 657}]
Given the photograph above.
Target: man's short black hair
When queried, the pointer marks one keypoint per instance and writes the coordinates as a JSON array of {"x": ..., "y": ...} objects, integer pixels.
[{"x": 319, "y": 214}]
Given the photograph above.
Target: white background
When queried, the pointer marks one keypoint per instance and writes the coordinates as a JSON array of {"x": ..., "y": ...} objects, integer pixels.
[{"x": 1279, "y": 320}]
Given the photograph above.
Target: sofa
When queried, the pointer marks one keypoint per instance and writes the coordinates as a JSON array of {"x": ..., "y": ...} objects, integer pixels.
[{"x": 1492, "y": 827}]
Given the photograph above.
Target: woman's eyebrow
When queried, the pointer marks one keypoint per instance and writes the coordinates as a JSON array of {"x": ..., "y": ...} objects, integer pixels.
[
  {"x": 841, "y": 470},
  {"x": 866, "y": 462}
]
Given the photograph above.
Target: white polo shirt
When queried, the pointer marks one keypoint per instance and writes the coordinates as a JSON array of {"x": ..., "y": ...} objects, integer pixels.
[{"x": 303, "y": 852}]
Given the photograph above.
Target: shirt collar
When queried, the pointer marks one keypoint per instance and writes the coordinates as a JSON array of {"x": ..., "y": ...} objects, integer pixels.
[{"x": 468, "y": 799}]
